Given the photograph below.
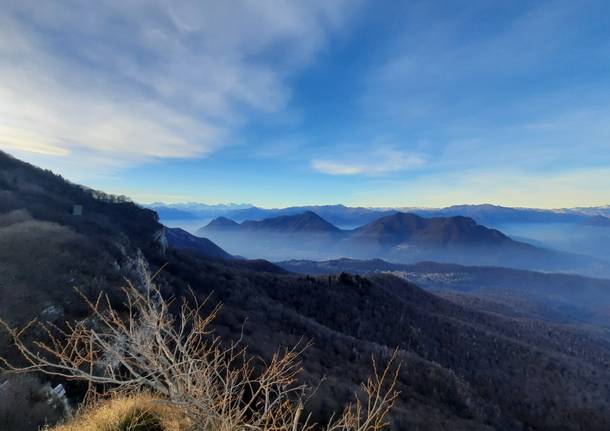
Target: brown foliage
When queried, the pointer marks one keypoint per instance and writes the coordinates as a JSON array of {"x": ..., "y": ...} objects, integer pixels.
[{"x": 180, "y": 360}]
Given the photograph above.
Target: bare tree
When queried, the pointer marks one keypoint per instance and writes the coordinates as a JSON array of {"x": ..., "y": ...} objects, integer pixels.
[{"x": 178, "y": 357}]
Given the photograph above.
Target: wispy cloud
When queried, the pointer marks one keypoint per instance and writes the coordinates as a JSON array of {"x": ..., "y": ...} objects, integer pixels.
[
  {"x": 135, "y": 81},
  {"x": 521, "y": 87},
  {"x": 440, "y": 70},
  {"x": 380, "y": 161}
]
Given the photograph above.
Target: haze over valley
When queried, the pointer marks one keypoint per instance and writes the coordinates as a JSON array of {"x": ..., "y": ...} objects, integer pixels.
[
  {"x": 304, "y": 215},
  {"x": 469, "y": 333},
  {"x": 568, "y": 240}
]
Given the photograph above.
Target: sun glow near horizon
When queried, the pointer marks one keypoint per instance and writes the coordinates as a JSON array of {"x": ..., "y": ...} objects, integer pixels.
[{"x": 350, "y": 102}]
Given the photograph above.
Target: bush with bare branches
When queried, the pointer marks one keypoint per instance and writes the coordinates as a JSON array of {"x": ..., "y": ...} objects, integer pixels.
[{"x": 177, "y": 357}]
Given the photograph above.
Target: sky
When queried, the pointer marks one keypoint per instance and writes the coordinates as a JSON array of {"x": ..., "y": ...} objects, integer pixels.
[{"x": 279, "y": 103}]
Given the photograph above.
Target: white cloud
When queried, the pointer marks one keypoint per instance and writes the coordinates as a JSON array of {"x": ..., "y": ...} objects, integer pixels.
[
  {"x": 337, "y": 168},
  {"x": 135, "y": 81},
  {"x": 381, "y": 161},
  {"x": 528, "y": 92}
]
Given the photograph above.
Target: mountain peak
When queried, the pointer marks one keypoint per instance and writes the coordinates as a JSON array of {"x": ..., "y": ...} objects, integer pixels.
[
  {"x": 435, "y": 231},
  {"x": 222, "y": 223},
  {"x": 305, "y": 222},
  {"x": 302, "y": 223}
]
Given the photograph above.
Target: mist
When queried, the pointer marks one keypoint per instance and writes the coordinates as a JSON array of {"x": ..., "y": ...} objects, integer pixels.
[
  {"x": 576, "y": 238},
  {"x": 281, "y": 247}
]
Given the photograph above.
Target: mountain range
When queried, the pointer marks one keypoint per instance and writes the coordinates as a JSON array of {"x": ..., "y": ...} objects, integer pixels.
[
  {"x": 399, "y": 237},
  {"x": 349, "y": 217},
  {"x": 574, "y": 230},
  {"x": 391, "y": 230},
  {"x": 463, "y": 367}
]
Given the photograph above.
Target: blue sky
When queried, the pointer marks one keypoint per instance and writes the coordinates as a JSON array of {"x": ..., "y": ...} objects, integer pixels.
[{"x": 278, "y": 103}]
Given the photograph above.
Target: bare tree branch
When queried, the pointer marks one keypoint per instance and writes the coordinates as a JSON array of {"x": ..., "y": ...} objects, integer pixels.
[{"x": 146, "y": 348}]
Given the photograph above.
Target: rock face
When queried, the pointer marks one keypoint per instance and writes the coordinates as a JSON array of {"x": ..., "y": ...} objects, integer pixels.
[
  {"x": 160, "y": 237},
  {"x": 58, "y": 397}
]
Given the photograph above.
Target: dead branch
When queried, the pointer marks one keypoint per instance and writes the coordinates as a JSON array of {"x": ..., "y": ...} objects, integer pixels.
[{"x": 180, "y": 359}]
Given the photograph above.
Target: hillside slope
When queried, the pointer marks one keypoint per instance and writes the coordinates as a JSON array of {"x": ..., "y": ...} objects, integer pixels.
[
  {"x": 306, "y": 222},
  {"x": 181, "y": 239},
  {"x": 555, "y": 297},
  {"x": 409, "y": 230},
  {"x": 462, "y": 369}
]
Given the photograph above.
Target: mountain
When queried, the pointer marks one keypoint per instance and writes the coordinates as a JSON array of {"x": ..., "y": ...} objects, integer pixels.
[
  {"x": 307, "y": 222},
  {"x": 560, "y": 298},
  {"x": 181, "y": 239},
  {"x": 338, "y": 215},
  {"x": 437, "y": 232},
  {"x": 221, "y": 224},
  {"x": 193, "y": 210},
  {"x": 567, "y": 230},
  {"x": 592, "y": 211},
  {"x": 599, "y": 221},
  {"x": 462, "y": 368},
  {"x": 406, "y": 237},
  {"x": 495, "y": 215},
  {"x": 387, "y": 232},
  {"x": 351, "y": 217},
  {"x": 294, "y": 235},
  {"x": 399, "y": 237}
]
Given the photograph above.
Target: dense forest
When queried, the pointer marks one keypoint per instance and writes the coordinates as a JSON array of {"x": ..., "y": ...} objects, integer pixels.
[{"x": 462, "y": 368}]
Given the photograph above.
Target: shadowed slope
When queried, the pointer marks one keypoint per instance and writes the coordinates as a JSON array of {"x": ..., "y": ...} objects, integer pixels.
[{"x": 462, "y": 369}]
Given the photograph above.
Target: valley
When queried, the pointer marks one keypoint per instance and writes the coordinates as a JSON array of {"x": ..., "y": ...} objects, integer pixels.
[
  {"x": 399, "y": 238},
  {"x": 466, "y": 364},
  {"x": 304, "y": 215}
]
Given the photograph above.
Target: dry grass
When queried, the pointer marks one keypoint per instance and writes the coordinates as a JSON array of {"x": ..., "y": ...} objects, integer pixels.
[{"x": 128, "y": 413}]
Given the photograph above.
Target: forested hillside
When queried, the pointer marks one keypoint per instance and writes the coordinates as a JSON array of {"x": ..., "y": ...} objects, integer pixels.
[{"x": 462, "y": 369}]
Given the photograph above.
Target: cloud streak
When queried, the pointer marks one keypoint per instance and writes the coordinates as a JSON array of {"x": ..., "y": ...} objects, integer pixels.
[
  {"x": 521, "y": 91},
  {"x": 135, "y": 82},
  {"x": 378, "y": 162}
]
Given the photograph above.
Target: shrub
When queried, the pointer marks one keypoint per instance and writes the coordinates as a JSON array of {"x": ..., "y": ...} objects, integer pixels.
[{"x": 218, "y": 386}]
